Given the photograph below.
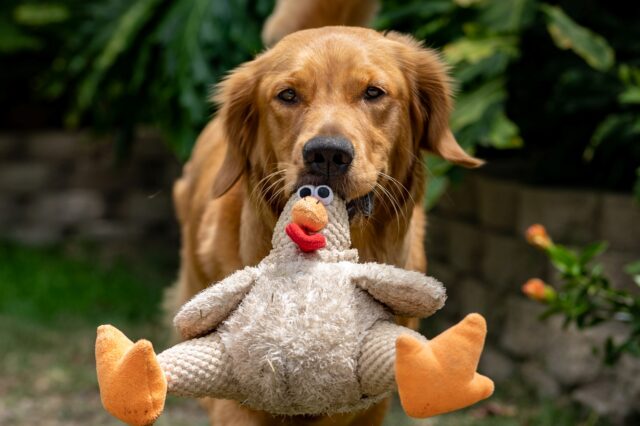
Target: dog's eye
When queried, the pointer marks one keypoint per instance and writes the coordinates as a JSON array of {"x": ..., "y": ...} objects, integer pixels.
[
  {"x": 306, "y": 191},
  {"x": 373, "y": 93},
  {"x": 288, "y": 96},
  {"x": 324, "y": 194}
]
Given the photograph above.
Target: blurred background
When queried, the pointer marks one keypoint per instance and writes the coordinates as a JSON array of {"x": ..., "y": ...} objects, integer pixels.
[{"x": 101, "y": 102}]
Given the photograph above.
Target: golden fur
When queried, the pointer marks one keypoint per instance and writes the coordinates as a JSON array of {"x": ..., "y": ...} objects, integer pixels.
[
  {"x": 248, "y": 160},
  {"x": 290, "y": 16}
]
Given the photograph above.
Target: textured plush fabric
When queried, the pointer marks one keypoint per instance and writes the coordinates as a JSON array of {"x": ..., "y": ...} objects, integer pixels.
[
  {"x": 198, "y": 367},
  {"x": 301, "y": 333},
  {"x": 376, "y": 364},
  {"x": 406, "y": 293},
  {"x": 207, "y": 309}
]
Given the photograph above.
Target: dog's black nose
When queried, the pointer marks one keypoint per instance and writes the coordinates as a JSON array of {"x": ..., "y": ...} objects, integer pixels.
[{"x": 328, "y": 155}]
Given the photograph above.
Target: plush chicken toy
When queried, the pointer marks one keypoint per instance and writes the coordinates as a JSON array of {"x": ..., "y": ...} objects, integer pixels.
[{"x": 307, "y": 331}]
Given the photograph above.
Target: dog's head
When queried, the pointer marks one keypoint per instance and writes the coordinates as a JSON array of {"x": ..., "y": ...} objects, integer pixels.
[{"x": 346, "y": 107}]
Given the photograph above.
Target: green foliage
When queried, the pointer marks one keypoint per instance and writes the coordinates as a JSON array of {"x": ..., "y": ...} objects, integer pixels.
[
  {"x": 636, "y": 186},
  {"x": 14, "y": 40},
  {"x": 153, "y": 62},
  {"x": 519, "y": 87},
  {"x": 116, "y": 64},
  {"x": 19, "y": 24},
  {"x": 567, "y": 34},
  {"x": 46, "y": 285},
  {"x": 33, "y": 15},
  {"x": 586, "y": 297}
]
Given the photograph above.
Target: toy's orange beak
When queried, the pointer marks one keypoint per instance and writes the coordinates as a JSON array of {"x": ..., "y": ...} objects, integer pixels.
[{"x": 309, "y": 216}]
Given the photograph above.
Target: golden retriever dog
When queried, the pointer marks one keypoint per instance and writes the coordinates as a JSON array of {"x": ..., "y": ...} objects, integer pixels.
[{"x": 343, "y": 106}]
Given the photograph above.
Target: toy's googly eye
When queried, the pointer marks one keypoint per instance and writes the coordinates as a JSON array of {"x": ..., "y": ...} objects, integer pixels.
[
  {"x": 324, "y": 194},
  {"x": 306, "y": 191}
]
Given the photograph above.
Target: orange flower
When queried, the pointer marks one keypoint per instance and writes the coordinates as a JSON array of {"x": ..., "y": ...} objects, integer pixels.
[
  {"x": 536, "y": 289},
  {"x": 537, "y": 236}
]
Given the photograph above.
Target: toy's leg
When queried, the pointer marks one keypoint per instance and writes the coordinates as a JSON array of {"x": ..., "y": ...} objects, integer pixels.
[
  {"x": 440, "y": 376},
  {"x": 198, "y": 368},
  {"x": 132, "y": 385},
  {"x": 376, "y": 365},
  {"x": 134, "y": 381}
]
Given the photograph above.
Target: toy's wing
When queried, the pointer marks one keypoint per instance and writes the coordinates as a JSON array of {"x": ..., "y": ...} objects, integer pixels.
[
  {"x": 212, "y": 305},
  {"x": 406, "y": 293}
]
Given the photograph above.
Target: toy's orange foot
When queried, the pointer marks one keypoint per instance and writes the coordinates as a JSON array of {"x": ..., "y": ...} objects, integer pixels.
[
  {"x": 440, "y": 376},
  {"x": 133, "y": 387}
]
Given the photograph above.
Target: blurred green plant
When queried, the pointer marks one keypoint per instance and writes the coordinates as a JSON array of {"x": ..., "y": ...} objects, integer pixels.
[
  {"x": 586, "y": 297},
  {"x": 18, "y": 22},
  {"x": 516, "y": 83},
  {"x": 153, "y": 62},
  {"x": 123, "y": 63}
]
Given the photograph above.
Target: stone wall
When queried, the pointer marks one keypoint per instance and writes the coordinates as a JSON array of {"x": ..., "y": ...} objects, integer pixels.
[
  {"x": 475, "y": 243},
  {"x": 56, "y": 186}
]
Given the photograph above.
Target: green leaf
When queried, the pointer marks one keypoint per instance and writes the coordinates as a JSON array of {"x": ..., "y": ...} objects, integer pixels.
[
  {"x": 591, "y": 251},
  {"x": 436, "y": 166},
  {"x": 474, "y": 50},
  {"x": 567, "y": 34},
  {"x": 432, "y": 27},
  {"x": 486, "y": 69},
  {"x": 471, "y": 105},
  {"x": 467, "y": 3},
  {"x": 121, "y": 36},
  {"x": 629, "y": 75},
  {"x": 563, "y": 259},
  {"x": 436, "y": 187},
  {"x": 631, "y": 95},
  {"x": 423, "y": 10},
  {"x": 40, "y": 14},
  {"x": 626, "y": 123},
  {"x": 633, "y": 269},
  {"x": 510, "y": 16},
  {"x": 504, "y": 133},
  {"x": 13, "y": 39}
]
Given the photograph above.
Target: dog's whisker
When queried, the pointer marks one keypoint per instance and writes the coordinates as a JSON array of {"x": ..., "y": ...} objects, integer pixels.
[
  {"x": 398, "y": 185},
  {"x": 274, "y": 184},
  {"x": 403, "y": 208},
  {"x": 261, "y": 183},
  {"x": 259, "y": 191},
  {"x": 382, "y": 199},
  {"x": 275, "y": 196},
  {"x": 393, "y": 204},
  {"x": 404, "y": 189}
]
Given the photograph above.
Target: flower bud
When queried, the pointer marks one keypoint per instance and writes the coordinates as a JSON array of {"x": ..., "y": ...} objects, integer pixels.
[
  {"x": 537, "y": 236},
  {"x": 536, "y": 289}
]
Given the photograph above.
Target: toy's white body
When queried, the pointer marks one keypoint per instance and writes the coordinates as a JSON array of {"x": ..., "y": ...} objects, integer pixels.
[
  {"x": 296, "y": 337},
  {"x": 299, "y": 333}
]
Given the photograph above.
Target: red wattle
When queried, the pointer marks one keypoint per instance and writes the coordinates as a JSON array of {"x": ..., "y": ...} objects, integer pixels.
[{"x": 306, "y": 242}]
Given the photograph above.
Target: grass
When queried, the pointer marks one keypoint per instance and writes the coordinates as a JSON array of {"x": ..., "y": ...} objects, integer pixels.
[
  {"x": 52, "y": 299},
  {"x": 48, "y": 285}
]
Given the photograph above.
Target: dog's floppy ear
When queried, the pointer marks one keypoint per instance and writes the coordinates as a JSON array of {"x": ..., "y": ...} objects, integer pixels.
[
  {"x": 431, "y": 102},
  {"x": 235, "y": 96}
]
